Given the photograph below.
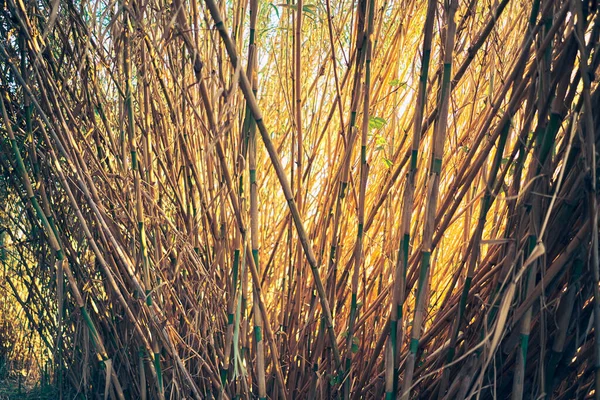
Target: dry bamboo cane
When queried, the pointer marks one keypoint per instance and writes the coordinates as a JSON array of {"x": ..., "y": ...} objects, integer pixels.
[
  {"x": 564, "y": 317},
  {"x": 247, "y": 91},
  {"x": 487, "y": 199},
  {"x": 249, "y": 135},
  {"x": 471, "y": 53},
  {"x": 591, "y": 166},
  {"x": 298, "y": 107},
  {"x": 342, "y": 174},
  {"x": 149, "y": 149},
  {"x": 334, "y": 61},
  {"x": 514, "y": 224},
  {"x": 254, "y": 234},
  {"x": 364, "y": 175},
  {"x": 481, "y": 38},
  {"x": 525, "y": 330},
  {"x": 103, "y": 263},
  {"x": 396, "y": 331},
  {"x": 60, "y": 258},
  {"x": 437, "y": 154},
  {"x": 234, "y": 201},
  {"x": 345, "y": 165},
  {"x": 535, "y": 217},
  {"x": 296, "y": 169},
  {"x": 137, "y": 192}
]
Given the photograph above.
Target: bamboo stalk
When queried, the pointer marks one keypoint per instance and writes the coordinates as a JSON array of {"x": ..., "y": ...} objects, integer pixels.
[
  {"x": 131, "y": 114},
  {"x": 364, "y": 174},
  {"x": 246, "y": 89},
  {"x": 590, "y": 162},
  {"x": 396, "y": 331},
  {"x": 64, "y": 266},
  {"x": 437, "y": 154}
]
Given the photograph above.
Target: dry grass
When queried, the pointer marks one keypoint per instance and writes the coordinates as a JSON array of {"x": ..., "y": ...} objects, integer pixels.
[{"x": 392, "y": 198}]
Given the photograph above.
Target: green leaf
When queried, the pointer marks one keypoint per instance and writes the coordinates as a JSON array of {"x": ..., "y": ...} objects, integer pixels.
[
  {"x": 388, "y": 163},
  {"x": 376, "y": 123},
  {"x": 396, "y": 82},
  {"x": 292, "y": 6},
  {"x": 310, "y": 9},
  {"x": 334, "y": 379},
  {"x": 354, "y": 348},
  {"x": 307, "y": 8},
  {"x": 275, "y": 8}
]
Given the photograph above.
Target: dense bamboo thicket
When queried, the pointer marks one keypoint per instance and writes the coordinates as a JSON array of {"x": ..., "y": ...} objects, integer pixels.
[{"x": 314, "y": 199}]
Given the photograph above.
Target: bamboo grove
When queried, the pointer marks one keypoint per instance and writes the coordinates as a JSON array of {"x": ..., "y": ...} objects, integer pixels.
[{"x": 314, "y": 199}]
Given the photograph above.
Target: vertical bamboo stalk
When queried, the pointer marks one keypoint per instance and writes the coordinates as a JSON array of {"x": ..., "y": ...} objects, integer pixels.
[
  {"x": 298, "y": 104},
  {"x": 298, "y": 151},
  {"x": 433, "y": 187},
  {"x": 364, "y": 174},
  {"x": 396, "y": 331},
  {"x": 525, "y": 328},
  {"x": 472, "y": 258},
  {"x": 254, "y": 235},
  {"x": 564, "y": 314},
  {"x": 150, "y": 178},
  {"x": 344, "y": 168},
  {"x": 343, "y": 176},
  {"x": 591, "y": 166},
  {"x": 136, "y": 172},
  {"x": 308, "y": 251}
]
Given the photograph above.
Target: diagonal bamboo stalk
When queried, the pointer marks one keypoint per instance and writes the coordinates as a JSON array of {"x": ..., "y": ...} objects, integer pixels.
[
  {"x": 60, "y": 259},
  {"x": 247, "y": 91}
]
